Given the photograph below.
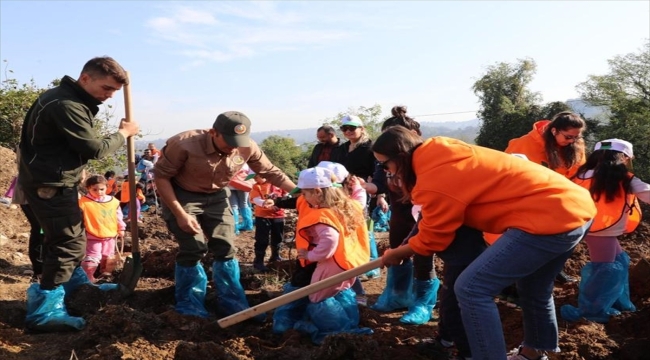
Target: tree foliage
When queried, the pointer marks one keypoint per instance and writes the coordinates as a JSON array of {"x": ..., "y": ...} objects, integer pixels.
[
  {"x": 508, "y": 108},
  {"x": 15, "y": 101},
  {"x": 103, "y": 128},
  {"x": 625, "y": 91},
  {"x": 285, "y": 154}
]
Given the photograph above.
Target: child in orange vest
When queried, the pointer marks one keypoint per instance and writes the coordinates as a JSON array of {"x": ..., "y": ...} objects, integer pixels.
[
  {"x": 269, "y": 221},
  {"x": 329, "y": 234},
  {"x": 103, "y": 221},
  {"x": 125, "y": 197},
  {"x": 604, "y": 284}
]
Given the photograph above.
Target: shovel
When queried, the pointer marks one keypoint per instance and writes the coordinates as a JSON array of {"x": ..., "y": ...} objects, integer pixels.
[
  {"x": 297, "y": 294},
  {"x": 132, "y": 263}
]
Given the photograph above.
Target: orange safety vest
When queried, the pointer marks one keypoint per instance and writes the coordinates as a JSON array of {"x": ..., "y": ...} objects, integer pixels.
[
  {"x": 125, "y": 196},
  {"x": 111, "y": 186},
  {"x": 352, "y": 250},
  {"x": 302, "y": 206},
  {"x": 100, "y": 218},
  {"x": 625, "y": 207}
]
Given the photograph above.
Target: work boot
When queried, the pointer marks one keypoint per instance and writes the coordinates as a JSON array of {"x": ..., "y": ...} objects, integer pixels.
[
  {"x": 426, "y": 294},
  {"x": 286, "y": 316},
  {"x": 398, "y": 293},
  {"x": 623, "y": 303},
  {"x": 600, "y": 286},
  {"x": 46, "y": 311},
  {"x": 275, "y": 254},
  {"x": 334, "y": 315},
  {"x": 79, "y": 278},
  {"x": 375, "y": 273},
  {"x": 258, "y": 262},
  {"x": 231, "y": 298},
  {"x": 247, "y": 219},
  {"x": 191, "y": 284}
]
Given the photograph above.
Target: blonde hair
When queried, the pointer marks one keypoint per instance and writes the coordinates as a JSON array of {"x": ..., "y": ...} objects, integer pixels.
[
  {"x": 362, "y": 140},
  {"x": 334, "y": 198}
]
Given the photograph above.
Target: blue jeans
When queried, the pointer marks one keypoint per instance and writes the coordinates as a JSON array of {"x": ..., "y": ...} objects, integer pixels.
[
  {"x": 238, "y": 199},
  {"x": 530, "y": 261}
]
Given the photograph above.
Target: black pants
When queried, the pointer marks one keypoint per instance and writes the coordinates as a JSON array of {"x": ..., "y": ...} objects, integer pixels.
[
  {"x": 468, "y": 244},
  {"x": 57, "y": 211},
  {"x": 35, "y": 246},
  {"x": 266, "y": 228},
  {"x": 401, "y": 224}
]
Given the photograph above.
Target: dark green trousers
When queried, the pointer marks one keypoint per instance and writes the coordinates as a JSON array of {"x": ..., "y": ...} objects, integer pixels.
[
  {"x": 57, "y": 211},
  {"x": 213, "y": 213}
]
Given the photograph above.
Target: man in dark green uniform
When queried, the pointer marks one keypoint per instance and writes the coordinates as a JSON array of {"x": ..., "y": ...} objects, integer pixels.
[{"x": 56, "y": 142}]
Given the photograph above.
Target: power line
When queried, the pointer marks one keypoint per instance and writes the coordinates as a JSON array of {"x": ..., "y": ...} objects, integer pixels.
[{"x": 449, "y": 113}]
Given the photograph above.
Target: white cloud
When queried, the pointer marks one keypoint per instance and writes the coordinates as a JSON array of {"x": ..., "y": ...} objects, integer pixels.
[{"x": 220, "y": 32}]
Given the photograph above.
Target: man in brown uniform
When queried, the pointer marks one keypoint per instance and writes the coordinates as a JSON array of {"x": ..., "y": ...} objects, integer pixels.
[{"x": 192, "y": 178}]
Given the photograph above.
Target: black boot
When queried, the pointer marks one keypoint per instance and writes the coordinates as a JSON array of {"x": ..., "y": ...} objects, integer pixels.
[
  {"x": 563, "y": 278},
  {"x": 275, "y": 253},
  {"x": 258, "y": 263}
]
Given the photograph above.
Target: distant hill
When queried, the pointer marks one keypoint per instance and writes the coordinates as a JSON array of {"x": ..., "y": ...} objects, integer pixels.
[{"x": 463, "y": 130}]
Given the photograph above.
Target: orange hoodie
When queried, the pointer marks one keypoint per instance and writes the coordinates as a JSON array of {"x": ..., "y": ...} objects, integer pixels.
[
  {"x": 532, "y": 145},
  {"x": 490, "y": 191}
]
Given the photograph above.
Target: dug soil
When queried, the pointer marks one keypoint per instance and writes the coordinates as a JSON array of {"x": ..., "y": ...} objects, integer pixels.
[{"x": 145, "y": 326}]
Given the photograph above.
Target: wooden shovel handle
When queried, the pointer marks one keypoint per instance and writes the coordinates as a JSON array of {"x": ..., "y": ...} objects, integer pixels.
[
  {"x": 297, "y": 294},
  {"x": 130, "y": 151}
]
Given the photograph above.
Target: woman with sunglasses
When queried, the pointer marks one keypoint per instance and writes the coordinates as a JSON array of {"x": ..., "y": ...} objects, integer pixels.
[
  {"x": 467, "y": 245},
  {"x": 355, "y": 154},
  {"x": 399, "y": 280},
  {"x": 541, "y": 215},
  {"x": 558, "y": 145}
]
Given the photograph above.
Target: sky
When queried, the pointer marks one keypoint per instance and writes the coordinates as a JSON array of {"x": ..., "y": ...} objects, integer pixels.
[{"x": 292, "y": 64}]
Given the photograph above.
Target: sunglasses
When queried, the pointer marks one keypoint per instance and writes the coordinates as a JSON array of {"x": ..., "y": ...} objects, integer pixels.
[
  {"x": 571, "y": 137},
  {"x": 384, "y": 164},
  {"x": 345, "y": 128}
]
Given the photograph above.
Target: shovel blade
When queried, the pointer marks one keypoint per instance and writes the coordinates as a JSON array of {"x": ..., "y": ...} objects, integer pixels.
[{"x": 131, "y": 273}]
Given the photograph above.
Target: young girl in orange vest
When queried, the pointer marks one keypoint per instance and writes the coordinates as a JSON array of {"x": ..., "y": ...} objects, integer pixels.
[
  {"x": 332, "y": 234},
  {"x": 103, "y": 221},
  {"x": 604, "y": 287}
]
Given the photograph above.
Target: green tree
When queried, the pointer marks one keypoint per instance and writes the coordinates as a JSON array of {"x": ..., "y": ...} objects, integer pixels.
[
  {"x": 508, "y": 108},
  {"x": 15, "y": 101},
  {"x": 103, "y": 128},
  {"x": 371, "y": 118},
  {"x": 625, "y": 92},
  {"x": 285, "y": 154}
]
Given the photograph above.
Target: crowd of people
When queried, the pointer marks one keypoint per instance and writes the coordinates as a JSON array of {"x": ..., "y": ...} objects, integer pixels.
[{"x": 496, "y": 221}]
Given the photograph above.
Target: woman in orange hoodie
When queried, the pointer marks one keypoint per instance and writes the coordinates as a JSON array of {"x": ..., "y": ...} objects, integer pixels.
[
  {"x": 556, "y": 144},
  {"x": 542, "y": 217}
]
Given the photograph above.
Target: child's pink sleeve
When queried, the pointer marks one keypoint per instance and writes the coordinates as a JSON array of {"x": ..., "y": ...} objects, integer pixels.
[
  {"x": 327, "y": 240},
  {"x": 121, "y": 225},
  {"x": 359, "y": 194}
]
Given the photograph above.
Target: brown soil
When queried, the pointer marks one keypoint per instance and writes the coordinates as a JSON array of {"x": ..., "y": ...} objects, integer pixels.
[{"x": 145, "y": 326}]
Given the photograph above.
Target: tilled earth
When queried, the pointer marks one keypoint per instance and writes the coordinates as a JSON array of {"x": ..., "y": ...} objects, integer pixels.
[{"x": 145, "y": 326}]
